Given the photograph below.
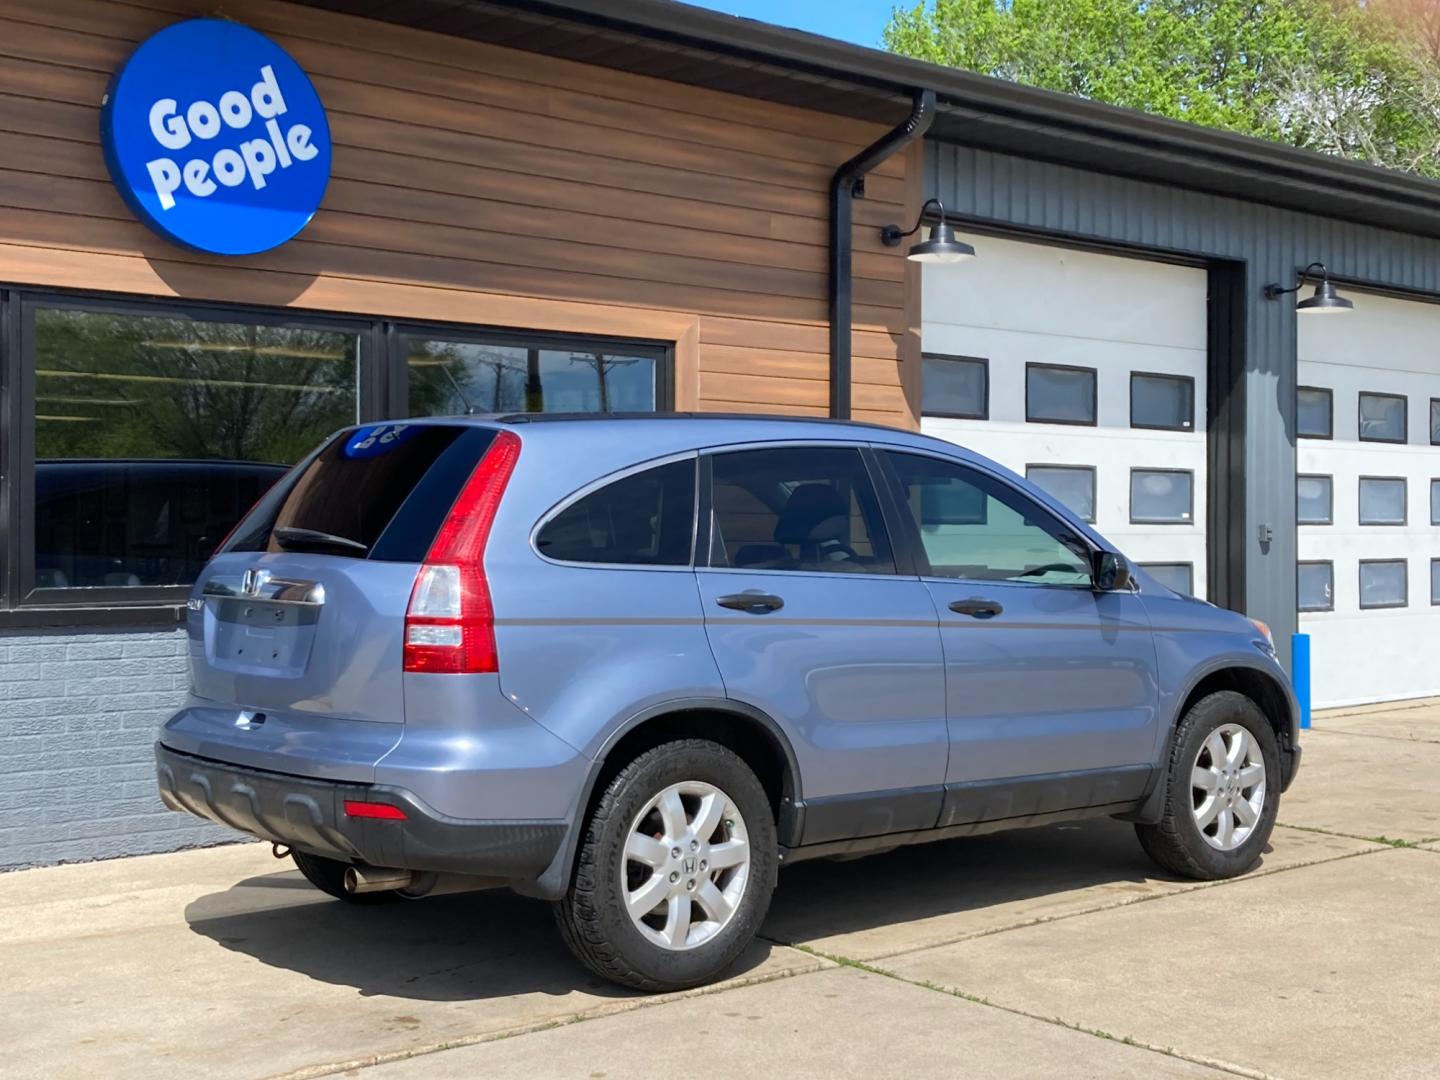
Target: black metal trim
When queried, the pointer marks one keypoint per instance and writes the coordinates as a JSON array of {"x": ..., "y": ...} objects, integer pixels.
[
  {"x": 848, "y": 182},
  {"x": 1404, "y": 567},
  {"x": 1329, "y": 479},
  {"x": 983, "y": 361},
  {"x": 1404, "y": 400},
  {"x": 1094, "y": 483},
  {"x": 1330, "y": 564},
  {"x": 1330, "y": 412},
  {"x": 1225, "y": 434},
  {"x": 1189, "y": 518},
  {"x": 1405, "y": 501},
  {"x": 1094, "y": 394},
  {"x": 1189, "y": 380}
]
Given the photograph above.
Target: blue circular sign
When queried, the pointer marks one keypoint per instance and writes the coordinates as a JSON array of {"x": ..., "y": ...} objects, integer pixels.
[{"x": 216, "y": 139}]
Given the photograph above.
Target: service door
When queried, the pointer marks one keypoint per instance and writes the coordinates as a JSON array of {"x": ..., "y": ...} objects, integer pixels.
[
  {"x": 1086, "y": 373},
  {"x": 810, "y": 623}
]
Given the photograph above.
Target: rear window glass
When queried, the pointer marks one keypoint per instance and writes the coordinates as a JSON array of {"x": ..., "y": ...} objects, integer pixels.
[
  {"x": 646, "y": 518},
  {"x": 345, "y": 499}
]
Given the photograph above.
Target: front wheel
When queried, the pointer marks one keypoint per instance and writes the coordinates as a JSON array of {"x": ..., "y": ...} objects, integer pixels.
[
  {"x": 1222, "y": 791},
  {"x": 676, "y": 868}
]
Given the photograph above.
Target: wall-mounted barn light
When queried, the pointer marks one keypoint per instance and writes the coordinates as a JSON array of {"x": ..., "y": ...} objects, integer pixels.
[
  {"x": 940, "y": 247},
  {"x": 1324, "y": 299}
]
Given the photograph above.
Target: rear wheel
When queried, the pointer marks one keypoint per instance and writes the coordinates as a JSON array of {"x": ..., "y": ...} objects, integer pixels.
[
  {"x": 1222, "y": 791},
  {"x": 328, "y": 875},
  {"x": 675, "y": 870}
]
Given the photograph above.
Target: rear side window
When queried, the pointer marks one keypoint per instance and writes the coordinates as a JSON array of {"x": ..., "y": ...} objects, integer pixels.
[
  {"x": 644, "y": 519},
  {"x": 379, "y": 491}
]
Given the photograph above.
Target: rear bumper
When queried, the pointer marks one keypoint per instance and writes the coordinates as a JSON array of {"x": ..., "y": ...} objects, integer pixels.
[{"x": 309, "y": 815}]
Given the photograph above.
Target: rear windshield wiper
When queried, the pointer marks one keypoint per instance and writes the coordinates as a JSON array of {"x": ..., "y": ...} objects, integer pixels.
[{"x": 295, "y": 539}]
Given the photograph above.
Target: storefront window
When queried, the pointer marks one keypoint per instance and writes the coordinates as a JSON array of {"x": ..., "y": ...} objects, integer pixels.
[
  {"x": 154, "y": 433},
  {"x": 454, "y": 376}
]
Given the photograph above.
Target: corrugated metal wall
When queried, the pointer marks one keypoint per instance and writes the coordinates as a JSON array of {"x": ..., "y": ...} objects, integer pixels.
[{"x": 1267, "y": 243}]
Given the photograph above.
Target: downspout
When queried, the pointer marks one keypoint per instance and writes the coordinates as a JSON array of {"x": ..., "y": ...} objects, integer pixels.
[{"x": 846, "y": 185}]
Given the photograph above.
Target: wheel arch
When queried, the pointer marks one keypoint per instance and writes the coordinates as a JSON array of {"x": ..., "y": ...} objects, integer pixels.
[
  {"x": 747, "y": 731},
  {"x": 1264, "y": 688}
]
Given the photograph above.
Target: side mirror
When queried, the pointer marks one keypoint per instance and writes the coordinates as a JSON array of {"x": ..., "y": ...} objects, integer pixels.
[{"x": 1112, "y": 572}]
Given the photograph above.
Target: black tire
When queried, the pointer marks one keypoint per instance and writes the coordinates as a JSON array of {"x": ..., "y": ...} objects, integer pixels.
[
  {"x": 592, "y": 916},
  {"x": 328, "y": 875},
  {"x": 1176, "y": 841}
]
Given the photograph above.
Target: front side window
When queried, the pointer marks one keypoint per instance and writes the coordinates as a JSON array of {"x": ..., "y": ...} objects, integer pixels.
[
  {"x": 797, "y": 508},
  {"x": 454, "y": 374},
  {"x": 1071, "y": 485},
  {"x": 1166, "y": 402},
  {"x": 1382, "y": 418},
  {"x": 1162, "y": 496},
  {"x": 1057, "y": 394},
  {"x": 1314, "y": 500},
  {"x": 1314, "y": 413},
  {"x": 1382, "y": 500},
  {"x": 1383, "y": 583},
  {"x": 154, "y": 433},
  {"x": 646, "y": 518},
  {"x": 972, "y": 526},
  {"x": 955, "y": 386},
  {"x": 1315, "y": 586}
]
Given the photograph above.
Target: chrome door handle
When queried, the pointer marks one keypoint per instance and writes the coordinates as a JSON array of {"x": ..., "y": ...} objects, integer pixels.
[
  {"x": 976, "y": 606},
  {"x": 755, "y": 602}
]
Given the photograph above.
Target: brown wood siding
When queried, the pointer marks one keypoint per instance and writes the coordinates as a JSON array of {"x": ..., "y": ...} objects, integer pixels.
[{"x": 482, "y": 185}]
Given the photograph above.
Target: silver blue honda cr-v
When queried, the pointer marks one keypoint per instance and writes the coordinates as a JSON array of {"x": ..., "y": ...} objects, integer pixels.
[{"x": 634, "y": 665}]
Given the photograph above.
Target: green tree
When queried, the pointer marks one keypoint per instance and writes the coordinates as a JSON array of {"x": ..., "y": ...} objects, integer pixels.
[{"x": 1332, "y": 75}]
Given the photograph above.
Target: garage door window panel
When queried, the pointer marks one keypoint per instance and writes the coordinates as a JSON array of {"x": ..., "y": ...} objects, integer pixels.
[
  {"x": 1162, "y": 496},
  {"x": 1435, "y": 421},
  {"x": 1162, "y": 402},
  {"x": 1179, "y": 576},
  {"x": 1382, "y": 500},
  {"x": 1315, "y": 585},
  {"x": 1060, "y": 394},
  {"x": 955, "y": 387},
  {"x": 1382, "y": 418},
  {"x": 1434, "y": 581},
  {"x": 1314, "y": 500},
  {"x": 1383, "y": 583},
  {"x": 974, "y": 527},
  {"x": 1314, "y": 412},
  {"x": 1071, "y": 485},
  {"x": 1435, "y": 502}
]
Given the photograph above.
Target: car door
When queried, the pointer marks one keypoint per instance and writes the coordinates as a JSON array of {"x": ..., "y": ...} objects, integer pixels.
[
  {"x": 810, "y": 623},
  {"x": 1051, "y": 690}
]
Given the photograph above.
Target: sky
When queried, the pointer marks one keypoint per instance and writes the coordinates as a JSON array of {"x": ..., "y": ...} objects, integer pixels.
[{"x": 860, "y": 21}]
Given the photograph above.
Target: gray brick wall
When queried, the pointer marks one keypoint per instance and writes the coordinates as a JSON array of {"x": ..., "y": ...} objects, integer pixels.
[{"x": 79, "y": 713}]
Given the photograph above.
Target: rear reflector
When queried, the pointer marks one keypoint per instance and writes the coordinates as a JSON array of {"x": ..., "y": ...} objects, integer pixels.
[
  {"x": 383, "y": 811},
  {"x": 449, "y": 625}
]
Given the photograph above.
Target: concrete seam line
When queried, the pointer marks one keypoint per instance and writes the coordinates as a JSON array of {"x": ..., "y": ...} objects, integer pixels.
[
  {"x": 1372, "y": 735},
  {"x": 1383, "y": 841},
  {"x": 1055, "y": 1021},
  {"x": 619, "y": 1008},
  {"x": 1041, "y": 920}
]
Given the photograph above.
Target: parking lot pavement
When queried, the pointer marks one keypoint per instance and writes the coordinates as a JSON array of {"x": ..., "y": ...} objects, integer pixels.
[
  {"x": 226, "y": 963},
  {"x": 842, "y": 1023},
  {"x": 222, "y": 963},
  {"x": 1414, "y": 720},
  {"x": 1323, "y": 972}
]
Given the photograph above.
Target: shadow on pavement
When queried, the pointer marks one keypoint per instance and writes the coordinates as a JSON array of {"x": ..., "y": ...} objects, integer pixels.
[{"x": 493, "y": 944}]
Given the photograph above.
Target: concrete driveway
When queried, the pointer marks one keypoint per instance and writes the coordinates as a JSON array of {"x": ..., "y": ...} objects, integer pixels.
[{"x": 1051, "y": 952}]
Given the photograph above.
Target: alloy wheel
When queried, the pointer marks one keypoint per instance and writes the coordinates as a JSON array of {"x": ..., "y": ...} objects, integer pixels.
[
  {"x": 1227, "y": 786},
  {"x": 685, "y": 865}
]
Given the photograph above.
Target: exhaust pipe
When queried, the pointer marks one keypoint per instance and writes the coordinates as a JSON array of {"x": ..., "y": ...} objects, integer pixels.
[{"x": 368, "y": 879}]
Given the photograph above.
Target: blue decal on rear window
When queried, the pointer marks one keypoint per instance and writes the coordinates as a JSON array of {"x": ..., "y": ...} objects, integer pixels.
[{"x": 378, "y": 438}]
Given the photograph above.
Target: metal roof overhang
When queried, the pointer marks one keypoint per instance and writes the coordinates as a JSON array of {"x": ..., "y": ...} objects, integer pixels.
[{"x": 700, "y": 47}]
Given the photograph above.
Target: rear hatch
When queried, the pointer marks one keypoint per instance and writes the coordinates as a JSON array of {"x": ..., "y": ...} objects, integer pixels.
[{"x": 296, "y": 627}]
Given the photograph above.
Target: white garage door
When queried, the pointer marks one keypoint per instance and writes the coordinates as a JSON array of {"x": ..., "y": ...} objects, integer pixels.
[
  {"x": 1368, "y": 500},
  {"x": 1085, "y": 372}
]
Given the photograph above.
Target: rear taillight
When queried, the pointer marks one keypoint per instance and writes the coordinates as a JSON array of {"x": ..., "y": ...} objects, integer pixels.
[{"x": 449, "y": 625}]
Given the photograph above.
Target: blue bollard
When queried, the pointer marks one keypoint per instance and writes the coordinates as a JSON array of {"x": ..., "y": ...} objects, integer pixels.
[{"x": 1300, "y": 674}]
